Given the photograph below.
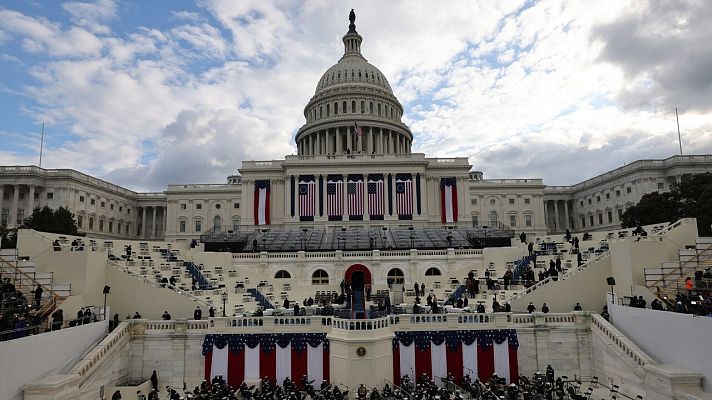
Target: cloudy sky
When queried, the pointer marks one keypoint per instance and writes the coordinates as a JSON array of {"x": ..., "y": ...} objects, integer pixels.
[{"x": 150, "y": 93}]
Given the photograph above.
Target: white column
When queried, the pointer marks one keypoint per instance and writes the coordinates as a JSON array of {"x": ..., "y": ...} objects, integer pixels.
[
  {"x": 369, "y": 145},
  {"x": 153, "y": 224},
  {"x": 142, "y": 234},
  {"x": 556, "y": 216},
  {"x": 566, "y": 214},
  {"x": 337, "y": 133},
  {"x": 165, "y": 220},
  {"x": 359, "y": 141},
  {"x": 12, "y": 221},
  {"x": 389, "y": 147},
  {"x": 2, "y": 197},
  {"x": 30, "y": 202},
  {"x": 349, "y": 141}
]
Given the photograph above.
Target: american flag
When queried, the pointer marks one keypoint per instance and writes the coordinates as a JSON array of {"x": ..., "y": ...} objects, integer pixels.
[
  {"x": 334, "y": 196},
  {"x": 307, "y": 187},
  {"x": 404, "y": 195},
  {"x": 375, "y": 195},
  {"x": 355, "y": 195},
  {"x": 358, "y": 130}
]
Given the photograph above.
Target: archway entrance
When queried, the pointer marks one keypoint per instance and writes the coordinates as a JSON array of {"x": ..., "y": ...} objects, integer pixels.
[{"x": 358, "y": 277}]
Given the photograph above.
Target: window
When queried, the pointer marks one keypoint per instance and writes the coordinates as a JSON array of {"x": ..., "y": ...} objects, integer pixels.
[
  {"x": 610, "y": 217},
  {"x": 198, "y": 225},
  {"x": 236, "y": 224},
  {"x": 475, "y": 220},
  {"x": 581, "y": 203},
  {"x": 121, "y": 209},
  {"x": 217, "y": 222},
  {"x": 363, "y": 107},
  {"x": 50, "y": 195},
  {"x": 598, "y": 199},
  {"x": 320, "y": 111},
  {"x": 199, "y": 206},
  {"x": 395, "y": 275},
  {"x": 181, "y": 226},
  {"x": 118, "y": 228},
  {"x": 661, "y": 186},
  {"x": 493, "y": 220},
  {"x": 81, "y": 199},
  {"x": 590, "y": 217},
  {"x": 527, "y": 220},
  {"x": 511, "y": 202},
  {"x": 183, "y": 206},
  {"x": 320, "y": 277},
  {"x": 600, "y": 219},
  {"x": 343, "y": 107},
  {"x": 128, "y": 211},
  {"x": 512, "y": 220},
  {"x": 628, "y": 190},
  {"x": 282, "y": 274},
  {"x": 493, "y": 201},
  {"x": 111, "y": 226},
  {"x": 36, "y": 196},
  {"x": 432, "y": 271},
  {"x": 217, "y": 206},
  {"x": 336, "y": 108},
  {"x": 101, "y": 225},
  {"x": 589, "y": 201},
  {"x": 111, "y": 206},
  {"x": 618, "y": 193},
  {"x": 527, "y": 201},
  {"x": 353, "y": 106},
  {"x": 80, "y": 221},
  {"x": 608, "y": 196},
  {"x": 583, "y": 222},
  {"x": 103, "y": 204},
  {"x": 92, "y": 202},
  {"x": 91, "y": 223},
  {"x": 328, "y": 110},
  {"x": 370, "y": 107},
  {"x": 379, "y": 108},
  {"x": 236, "y": 205},
  {"x": 473, "y": 201}
]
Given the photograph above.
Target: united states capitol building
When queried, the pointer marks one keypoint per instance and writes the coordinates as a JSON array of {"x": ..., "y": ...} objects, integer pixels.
[{"x": 356, "y": 207}]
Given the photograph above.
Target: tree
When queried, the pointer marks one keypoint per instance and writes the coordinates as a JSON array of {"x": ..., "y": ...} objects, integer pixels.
[
  {"x": 8, "y": 237},
  {"x": 45, "y": 219},
  {"x": 692, "y": 198}
]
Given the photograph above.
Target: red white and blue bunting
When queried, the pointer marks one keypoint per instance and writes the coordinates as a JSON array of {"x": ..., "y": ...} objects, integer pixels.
[
  {"x": 249, "y": 357},
  {"x": 478, "y": 353}
]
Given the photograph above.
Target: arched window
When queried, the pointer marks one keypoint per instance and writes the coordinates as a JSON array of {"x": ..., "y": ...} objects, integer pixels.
[
  {"x": 353, "y": 106},
  {"x": 432, "y": 271},
  {"x": 363, "y": 107},
  {"x": 379, "y": 108},
  {"x": 493, "y": 220},
  {"x": 235, "y": 224},
  {"x": 343, "y": 107},
  {"x": 282, "y": 274},
  {"x": 320, "y": 277},
  {"x": 217, "y": 221},
  {"x": 321, "y": 111},
  {"x": 328, "y": 110},
  {"x": 336, "y": 108},
  {"x": 395, "y": 275}
]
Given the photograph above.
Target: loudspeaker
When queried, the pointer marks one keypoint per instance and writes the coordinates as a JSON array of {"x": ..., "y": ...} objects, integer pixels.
[
  {"x": 611, "y": 281},
  {"x": 107, "y": 290}
]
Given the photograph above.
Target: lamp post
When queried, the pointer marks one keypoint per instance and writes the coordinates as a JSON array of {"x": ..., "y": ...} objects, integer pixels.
[
  {"x": 224, "y": 300},
  {"x": 107, "y": 290}
]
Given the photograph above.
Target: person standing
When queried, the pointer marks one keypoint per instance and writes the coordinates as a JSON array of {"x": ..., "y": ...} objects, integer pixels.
[
  {"x": 154, "y": 380},
  {"x": 198, "y": 313},
  {"x": 38, "y": 295}
]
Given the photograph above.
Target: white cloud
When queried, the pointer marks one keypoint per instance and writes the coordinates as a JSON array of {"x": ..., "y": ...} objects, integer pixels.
[{"x": 519, "y": 93}]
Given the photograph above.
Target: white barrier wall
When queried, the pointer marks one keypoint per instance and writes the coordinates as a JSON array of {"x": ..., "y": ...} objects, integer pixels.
[
  {"x": 678, "y": 339},
  {"x": 31, "y": 358}
]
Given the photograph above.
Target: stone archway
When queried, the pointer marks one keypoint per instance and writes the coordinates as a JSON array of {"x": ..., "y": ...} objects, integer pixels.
[{"x": 360, "y": 268}]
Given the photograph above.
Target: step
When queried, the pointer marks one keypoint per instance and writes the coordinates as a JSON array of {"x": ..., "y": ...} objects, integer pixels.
[{"x": 704, "y": 241}]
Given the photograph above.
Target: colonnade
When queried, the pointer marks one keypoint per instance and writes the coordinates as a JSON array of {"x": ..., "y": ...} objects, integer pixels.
[
  {"x": 13, "y": 212},
  {"x": 155, "y": 215},
  {"x": 553, "y": 215},
  {"x": 341, "y": 140}
]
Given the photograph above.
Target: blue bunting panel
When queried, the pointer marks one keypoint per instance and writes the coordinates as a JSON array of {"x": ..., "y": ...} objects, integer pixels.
[
  {"x": 266, "y": 341},
  {"x": 454, "y": 338}
]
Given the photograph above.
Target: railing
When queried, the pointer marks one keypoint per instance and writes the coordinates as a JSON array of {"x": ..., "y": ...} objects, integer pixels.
[
  {"x": 570, "y": 273},
  {"x": 48, "y": 326},
  {"x": 354, "y": 254},
  {"x": 27, "y": 282},
  {"x": 620, "y": 340},
  {"x": 681, "y": 271},
  {"x": 86, "y": 366},
  {"x": 361, "y": 324}
]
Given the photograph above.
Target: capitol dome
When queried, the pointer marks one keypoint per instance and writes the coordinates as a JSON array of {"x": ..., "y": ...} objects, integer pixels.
[{"x": 353, "y": 109}]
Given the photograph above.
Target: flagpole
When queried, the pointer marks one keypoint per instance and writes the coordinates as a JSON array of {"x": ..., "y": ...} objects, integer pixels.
[
  {"x": 679, "y": 137},
  {"x": 41, "y": 144}
]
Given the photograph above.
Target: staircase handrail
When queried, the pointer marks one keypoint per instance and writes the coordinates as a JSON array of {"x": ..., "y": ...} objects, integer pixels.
[
  {"x": 399, "y": 388},
  {"x": 156, "y": 284},
  {"x": 571, "y": 272},
  {"x": 17, "y": 271},
  {"x": 625, "y": 344},
  {"x": 679, "y": 270}
]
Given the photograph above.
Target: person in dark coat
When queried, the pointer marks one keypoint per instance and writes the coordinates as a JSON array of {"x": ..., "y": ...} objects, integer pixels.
[
  {"x": 544, "y": 308},
  {"x": 87, "y": 315},
  {"x": 198, "y": 313},
  {"x": 80, "y": 316},
  {"x": 116, "y": 395},
  {"x": 531, "y": 308},
  {"x": 154, "y": 380},
  {"x": 211, "y": 312},
  {"x": 38, "y": 295}
]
